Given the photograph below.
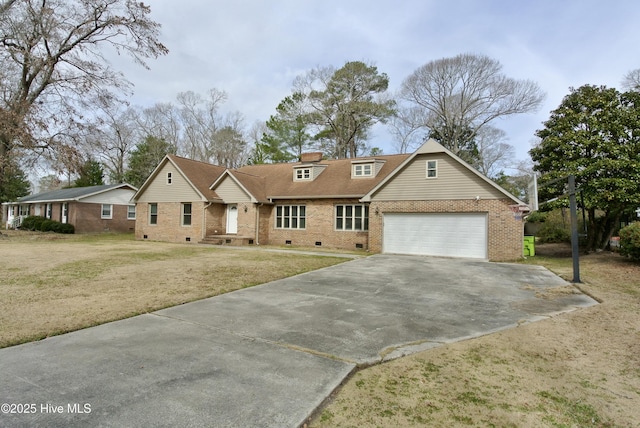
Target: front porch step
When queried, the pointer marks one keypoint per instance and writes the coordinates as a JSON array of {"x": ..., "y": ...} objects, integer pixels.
[{"x": 235, "y": 240}]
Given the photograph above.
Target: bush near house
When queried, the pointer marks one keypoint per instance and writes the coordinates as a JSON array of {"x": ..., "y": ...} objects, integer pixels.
[
  {"x": 45, "y": 225},
  {"x": 630, "y": 241}
]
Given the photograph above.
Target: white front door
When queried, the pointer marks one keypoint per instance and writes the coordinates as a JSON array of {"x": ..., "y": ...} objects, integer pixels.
[
  {"x": 232, "y": 218},
  {"x": 65, "y": 213}
]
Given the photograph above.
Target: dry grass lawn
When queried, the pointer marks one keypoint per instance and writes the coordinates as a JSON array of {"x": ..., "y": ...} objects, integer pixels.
[
  {"x": 52, "y": 284},
  {"x": 579, "y": 369}
]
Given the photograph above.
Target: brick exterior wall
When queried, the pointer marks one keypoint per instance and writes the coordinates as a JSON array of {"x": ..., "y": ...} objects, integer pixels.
[
  {"x": 169, "y": 227},
  {"x": 505, "y": 234},
  {"x": 86, "y": 218},
  {"x": 320, "y": 227}
]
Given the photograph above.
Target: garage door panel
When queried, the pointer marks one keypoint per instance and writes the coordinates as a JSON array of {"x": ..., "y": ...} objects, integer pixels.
[{"x": 436, "y": 234}]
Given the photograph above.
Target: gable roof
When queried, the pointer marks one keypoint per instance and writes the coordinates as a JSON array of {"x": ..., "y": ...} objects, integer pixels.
[
  {"x": 266, "y": 182},
  {"x": 72, "y": 194},
  {"x": 429, "y": 147},
  {"x": 198, "y": 174}
]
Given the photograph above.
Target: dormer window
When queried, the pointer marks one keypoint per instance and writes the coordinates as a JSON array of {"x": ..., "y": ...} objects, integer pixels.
[
  {"x": 307, "y": 172},
  {"x": 303, "y": 174},
  {"x": 363, "y": 170}
]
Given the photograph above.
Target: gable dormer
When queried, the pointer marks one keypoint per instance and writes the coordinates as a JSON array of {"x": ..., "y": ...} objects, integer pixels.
[
  {"x": 307, "y": 172},
  {"x": 309, "y": 168},
  {"x": 366, "y": 168}
]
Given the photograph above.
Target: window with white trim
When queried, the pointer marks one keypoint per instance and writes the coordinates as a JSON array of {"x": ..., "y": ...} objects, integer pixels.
[
  {"x": 131, "y": 212},
  {"x": 432, "y": 169},
  {"x": 186, "y": 214},
  {"x": 169, "y": 178},
  {"x": 363, "y": 169},
  {"x": 352, "y": 217},
  {"x": 291, "y": 216},
  {"x": 303, "y": 173},
  {"x": 153, "y": 213},
  {"x": 107, "y": 210}
]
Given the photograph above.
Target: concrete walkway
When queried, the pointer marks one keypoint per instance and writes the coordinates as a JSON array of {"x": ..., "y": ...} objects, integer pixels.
[{"x": 267, "y": 356}]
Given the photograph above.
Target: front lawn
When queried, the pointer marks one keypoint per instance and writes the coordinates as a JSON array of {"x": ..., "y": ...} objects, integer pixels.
[{"x": 52, "y": 284}]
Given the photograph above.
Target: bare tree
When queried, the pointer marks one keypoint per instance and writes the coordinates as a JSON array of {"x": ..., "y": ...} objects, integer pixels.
[
  {"x": 461, "y": 95},
  {"x": 209, "y": 135},
  {"x": 494, "y": 153},
  {"x": 161, "y": 121},
  {"x": 631, "y": 80},
  {"x": 112, "y": 138},
  {"x": 407, "y": 126},
  {"x": 53, "y": 68}
]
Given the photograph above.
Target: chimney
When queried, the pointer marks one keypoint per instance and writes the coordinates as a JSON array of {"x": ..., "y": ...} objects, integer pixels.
[{"x": 311, "y": 157}]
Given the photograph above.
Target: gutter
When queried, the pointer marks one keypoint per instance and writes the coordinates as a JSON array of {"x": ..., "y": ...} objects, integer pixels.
[{"x": 360, "y": 196}]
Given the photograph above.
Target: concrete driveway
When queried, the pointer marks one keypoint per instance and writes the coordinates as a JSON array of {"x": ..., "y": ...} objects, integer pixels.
[{"x": 268, "y": 355}]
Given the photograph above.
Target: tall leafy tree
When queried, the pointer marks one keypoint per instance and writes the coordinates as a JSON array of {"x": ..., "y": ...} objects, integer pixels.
[
  {"x": 344, "y": 104},
  {"x": 287, "y": 135},
  {"x": 52, "y": 65},
  {"x": 144, "y": 159},
  {"x": 595, "y": 135},
  {"x": 90, "y": 174},
  {"x": 459, "y": 96},
  {"x": 13, "y": 182}
]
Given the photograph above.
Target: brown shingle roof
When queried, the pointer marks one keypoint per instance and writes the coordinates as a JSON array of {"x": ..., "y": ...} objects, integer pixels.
[
  {"x": 200, "y": 174},
  {"x": 276, "y": 181}
]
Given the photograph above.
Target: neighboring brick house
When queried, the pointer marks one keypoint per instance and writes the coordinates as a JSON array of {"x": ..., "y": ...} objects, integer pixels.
[
  {"x": 430, "y": 202},
  {"x": 106, "y": 208}
]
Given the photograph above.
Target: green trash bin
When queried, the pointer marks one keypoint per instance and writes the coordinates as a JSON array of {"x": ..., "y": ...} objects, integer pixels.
[{"x": 529, "y": 246}]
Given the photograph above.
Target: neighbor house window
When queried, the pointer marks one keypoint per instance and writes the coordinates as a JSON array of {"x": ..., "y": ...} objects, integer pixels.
[
  {"x": 48, "y": 211},
  {"x": 169, "y": 178},
  {"x": 186, "y": 214},
  {"x": 303, "y": 173},
  {"x": 106, "y": 211},
  {"x": 291, "y": 217},
  {"x": 153, "y": 213},
  {"x": 131, "y": 212},
  {"x": 363, "y": 170},
  {"x": 432, "y": 169},
  {"x": 352, "y": 217}
]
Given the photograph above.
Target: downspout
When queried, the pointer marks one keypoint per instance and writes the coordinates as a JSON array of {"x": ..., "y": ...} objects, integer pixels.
[
  {"x": 204, "y": 220},
  {"x": 258, "y": 223}
]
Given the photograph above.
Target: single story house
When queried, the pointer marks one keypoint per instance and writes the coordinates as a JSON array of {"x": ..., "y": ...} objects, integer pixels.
[
  {"x": 429, "y": 202},
  {"x": 106, "y": 208}
]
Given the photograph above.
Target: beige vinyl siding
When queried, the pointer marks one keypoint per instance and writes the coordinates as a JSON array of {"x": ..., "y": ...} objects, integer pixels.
[
  {"x": 180, "y": 190},
  {"x": 115, "y": 196},
  {"x": 378, "y": 166},
  {"x": 454, "y": 181},
  {"x": 231, "y": 192}
]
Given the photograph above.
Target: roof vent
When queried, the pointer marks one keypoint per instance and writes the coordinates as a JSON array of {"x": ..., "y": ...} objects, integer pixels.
[{"x": 311, "y": 157}]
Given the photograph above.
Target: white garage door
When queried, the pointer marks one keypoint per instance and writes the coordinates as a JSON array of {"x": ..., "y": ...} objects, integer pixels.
[{"x": 442, "y": 234}]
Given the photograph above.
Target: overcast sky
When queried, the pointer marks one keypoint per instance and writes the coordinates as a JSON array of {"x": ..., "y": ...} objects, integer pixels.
[{"x": 253, "y": 49}]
